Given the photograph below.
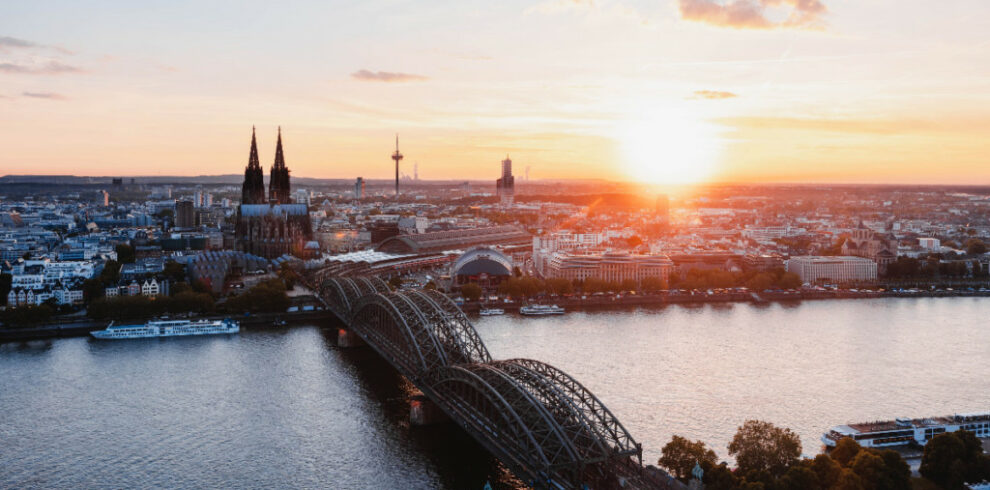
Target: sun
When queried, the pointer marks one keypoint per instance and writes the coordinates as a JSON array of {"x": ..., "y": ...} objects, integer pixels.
[{"x": 669, "y": 146}]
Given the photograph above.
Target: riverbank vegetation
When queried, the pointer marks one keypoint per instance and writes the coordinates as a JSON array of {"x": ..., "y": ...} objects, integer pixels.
[
  {"x": 769, "y": 458},
  {"x": 266, "y": 296}
]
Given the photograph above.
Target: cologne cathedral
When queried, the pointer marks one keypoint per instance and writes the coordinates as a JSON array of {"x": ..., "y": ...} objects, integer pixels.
[{"x": 274, "y": 226}]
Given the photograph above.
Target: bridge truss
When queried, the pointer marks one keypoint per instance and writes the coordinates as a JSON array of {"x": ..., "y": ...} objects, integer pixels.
[{"x": 546, "y": 427}]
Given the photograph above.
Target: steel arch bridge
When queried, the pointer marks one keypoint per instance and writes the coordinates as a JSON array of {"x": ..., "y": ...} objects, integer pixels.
[{"x": 546, "y": 427}]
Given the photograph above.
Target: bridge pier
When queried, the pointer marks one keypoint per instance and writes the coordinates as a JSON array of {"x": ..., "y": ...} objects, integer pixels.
[
  {"x": 422, "y": 411},
  {"x": 347, "y": 338}
]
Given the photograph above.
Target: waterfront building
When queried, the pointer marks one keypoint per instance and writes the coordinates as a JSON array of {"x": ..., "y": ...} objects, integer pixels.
[
  {"x": 878, "y": 247},
  {"x": 722, "y": 261},
  {"x": 610, "y": 267},
  {"x": 485, "y": 266},
  {"x": 150, "y": 288},
  {"x": 822, "y": 269},
  {"x": 68, "y": 296},
  {"x": 505, "y": 186},
  {"x": 763, "y": 262}
]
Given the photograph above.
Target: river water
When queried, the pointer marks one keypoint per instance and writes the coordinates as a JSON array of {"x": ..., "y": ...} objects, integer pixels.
[{"x": 275, "y": 408}]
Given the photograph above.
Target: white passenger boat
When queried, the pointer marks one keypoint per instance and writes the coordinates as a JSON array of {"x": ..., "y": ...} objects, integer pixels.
[
  {"x": 492, "y": 311},
  {"x": 541, "y": 310},
  {"x": 904, "y": 431},
  {"x": 168, "y": 328}
]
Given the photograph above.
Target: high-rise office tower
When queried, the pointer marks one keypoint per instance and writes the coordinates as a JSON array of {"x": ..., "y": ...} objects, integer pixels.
[
  {"x": 184, "y": 215},
  {"x": 359, "y": 188},
  {"x": 505, "y": 187}
]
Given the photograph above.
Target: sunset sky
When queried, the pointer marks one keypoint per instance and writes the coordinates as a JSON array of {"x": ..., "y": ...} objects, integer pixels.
[{"x": 664, "y": 91}]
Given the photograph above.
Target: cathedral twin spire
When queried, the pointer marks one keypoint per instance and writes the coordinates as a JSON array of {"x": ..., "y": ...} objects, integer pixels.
[{"x": 253, "y": 189}]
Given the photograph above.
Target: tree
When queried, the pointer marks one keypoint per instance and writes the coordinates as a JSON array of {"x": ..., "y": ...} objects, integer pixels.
[
  {"x": 471, "y": 291},
  {"x": 5, "y": 282},
  {"x": 180, "y": 287},
  {"x": 895, "y": 472},
  {"x": 266, "y": 296},
  {"x": 559, "y": 286},
  {"x": 762, "y": 446},
  {"x": 975, "y": 246},
  {"x": 799, "y": 477},
  {"x": 175, "y": 271},
  {"x": 652, "y": 284},
  {"x": 760, "y": 282},
  {"x": 531, "y": 285},
  {"x": 110, "y": 273},
  {"x": 593, "y": 285},
  {"x": 789, "y": 280},
  {"x": 845, "y": 450},
  {"x": 720, "y": 478},
  {"x": 510, "y": 287},
  {"x": 848, "y": 480},
  {"x": 26, "y": 315},
  {"x": 680, "y": 455},
  {"x": 953, "y": 458},
  {"x": 827, "y": 469},
  {"x": 125, "y": 253},
  {"x": 394, "y": 282}
]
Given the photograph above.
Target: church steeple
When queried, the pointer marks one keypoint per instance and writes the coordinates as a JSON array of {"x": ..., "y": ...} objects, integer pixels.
[
  {"x": 253, "y": 189},
  {"x": 278, "y": 184}
]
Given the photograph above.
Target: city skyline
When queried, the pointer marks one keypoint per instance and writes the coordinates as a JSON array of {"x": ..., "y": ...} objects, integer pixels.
[{"x": 674, "y": 92}]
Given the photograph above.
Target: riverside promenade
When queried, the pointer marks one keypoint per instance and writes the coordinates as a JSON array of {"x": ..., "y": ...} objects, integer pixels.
[{"x": 85, "y": 326}]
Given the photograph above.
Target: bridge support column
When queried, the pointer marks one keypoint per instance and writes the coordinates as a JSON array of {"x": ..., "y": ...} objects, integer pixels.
[
  {"x": 347, "y": 338},
  {"x": 422, "y": 411}
]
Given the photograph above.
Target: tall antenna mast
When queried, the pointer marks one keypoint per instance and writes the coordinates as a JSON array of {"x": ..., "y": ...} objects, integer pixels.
[{"x": 397, "y": 156}]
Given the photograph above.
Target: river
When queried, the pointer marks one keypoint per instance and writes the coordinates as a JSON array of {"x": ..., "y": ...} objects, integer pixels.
[{"x": 271, "y": 408}]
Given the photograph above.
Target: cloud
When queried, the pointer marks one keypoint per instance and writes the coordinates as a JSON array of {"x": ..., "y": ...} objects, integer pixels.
[
  {"x": 712, "y": 95},
  {"x": 44, "y": 95},
  {"x": 752, "y": 14},
  {"x": 50, "y": 68},
  {"x": 13, "y": 42},
  {"x": 386, "y": 76}
]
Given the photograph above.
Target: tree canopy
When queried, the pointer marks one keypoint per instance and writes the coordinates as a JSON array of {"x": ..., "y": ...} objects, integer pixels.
[
  {"x": 762, "y": 446},
  {"x": 681, "y": 454}
]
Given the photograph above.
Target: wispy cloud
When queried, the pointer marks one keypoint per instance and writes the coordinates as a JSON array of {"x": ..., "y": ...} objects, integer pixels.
[
  {"x": 8, "y": 43},
  {"x": 712, "y": 95},
  {"x": 13, "y": 42},
  {"x": 50, "y": 68},
  {"x": 44, "y": 95},
  {"x": 386, "y": 76},
  {"x": 752, "y": 14}
]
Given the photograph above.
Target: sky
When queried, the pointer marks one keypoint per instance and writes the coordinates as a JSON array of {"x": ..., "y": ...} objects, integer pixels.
[{"x": 661, "y": 91}]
